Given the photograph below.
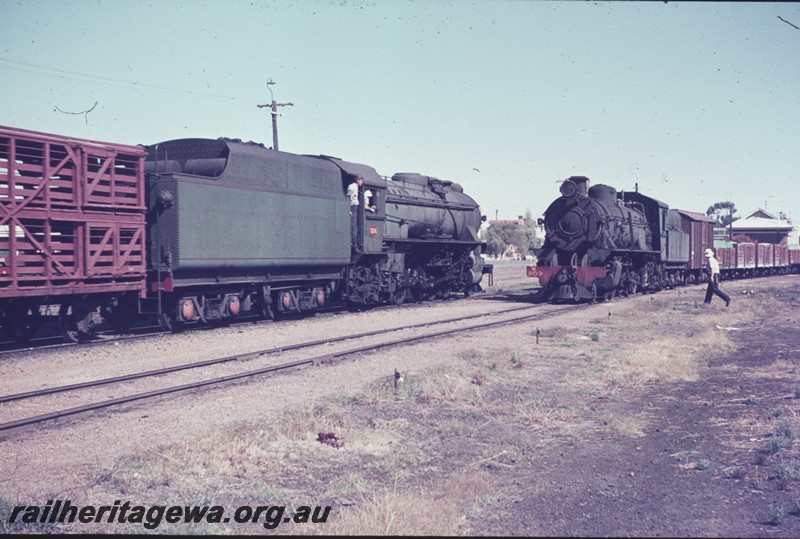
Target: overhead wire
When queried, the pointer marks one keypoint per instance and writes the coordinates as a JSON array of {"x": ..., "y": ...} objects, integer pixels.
[
  {"x": 47, "y": 71},
  {"x": 84, "y": 77}
]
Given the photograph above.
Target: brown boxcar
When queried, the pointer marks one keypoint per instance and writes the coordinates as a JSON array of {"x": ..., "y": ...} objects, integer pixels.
[{"x": 700, "y": 229}]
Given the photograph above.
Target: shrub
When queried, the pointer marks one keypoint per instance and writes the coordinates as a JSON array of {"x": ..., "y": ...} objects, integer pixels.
[
  {"x": 703, "y": 464},
  {"x": 776, "y": 515},
  {"x": 786, "y": 473}
]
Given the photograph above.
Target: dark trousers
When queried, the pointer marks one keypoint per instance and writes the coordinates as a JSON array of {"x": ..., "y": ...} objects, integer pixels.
[
  {"x": 713, "y": 288},
  {"x": 353, "y": 226}
]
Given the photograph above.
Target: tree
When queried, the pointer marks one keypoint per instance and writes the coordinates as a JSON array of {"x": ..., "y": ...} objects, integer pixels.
[
  {"x": 500, "y": 235},
  {"x": 494, "y": 243},
  {"x": 722, "y": 212}
]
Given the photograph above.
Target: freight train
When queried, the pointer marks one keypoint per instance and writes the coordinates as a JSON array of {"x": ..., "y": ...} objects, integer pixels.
[
  {"x": 601, "y": 242},
  {"x": 201, "y": 231}
]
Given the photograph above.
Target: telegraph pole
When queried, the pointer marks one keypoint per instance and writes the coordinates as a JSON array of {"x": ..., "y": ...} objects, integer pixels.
[{"x": 274, "y": 110}]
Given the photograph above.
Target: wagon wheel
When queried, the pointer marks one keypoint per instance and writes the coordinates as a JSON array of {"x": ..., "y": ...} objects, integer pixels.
[
  {"x": 443, "y": 291},
  {"x": 264, "y": 304},
  {"x": 414, "y": 295},
  {"x": 165, "y": 321},
  {"x": 169, "y": 322},
  {"x": 400, "y": 296},
  {"x": 68, "y": 323},
  {"x": 21, "y": 323}
]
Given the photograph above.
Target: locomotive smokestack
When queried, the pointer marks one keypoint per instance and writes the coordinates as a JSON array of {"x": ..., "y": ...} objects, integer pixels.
[{"x": 582, "y": 183}]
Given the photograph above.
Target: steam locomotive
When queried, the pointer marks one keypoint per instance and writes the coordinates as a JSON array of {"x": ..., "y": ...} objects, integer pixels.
[
  {"x": 200, "y": 231},
  {"x": 600, "y": 242}
]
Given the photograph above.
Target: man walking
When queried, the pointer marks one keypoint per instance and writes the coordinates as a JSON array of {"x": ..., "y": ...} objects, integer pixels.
[{"x": 712, "y": 268}]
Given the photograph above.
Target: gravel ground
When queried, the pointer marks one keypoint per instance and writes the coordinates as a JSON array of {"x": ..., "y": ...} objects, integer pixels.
[
  {"x": 58, "y": 460},
  {"x": 48, "y": 458}
]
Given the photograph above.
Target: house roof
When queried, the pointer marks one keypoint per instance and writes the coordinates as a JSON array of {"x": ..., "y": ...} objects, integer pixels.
[
  {"x": 695, "y": 216},
  {"x": 761, "y": 220},
  {"x": 758, "y": 212}
]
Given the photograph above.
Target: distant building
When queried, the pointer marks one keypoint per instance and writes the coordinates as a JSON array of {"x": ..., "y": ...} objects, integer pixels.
[
  {"x": 762, "y": 226},
  {"x": 511, "y": 250},
  {"x": 519, "y": 221}
]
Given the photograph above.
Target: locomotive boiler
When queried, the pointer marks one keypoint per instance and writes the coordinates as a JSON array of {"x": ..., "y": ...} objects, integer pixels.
[
  {"x": 600, "y": 242},
  {"x": 586, "y": 225},
  {"x": 431, "y": 228}
]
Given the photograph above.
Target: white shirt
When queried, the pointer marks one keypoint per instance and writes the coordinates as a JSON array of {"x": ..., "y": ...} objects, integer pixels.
[
  {"x": 352, "y": 193},
  {"x": 712, "y": 265}
]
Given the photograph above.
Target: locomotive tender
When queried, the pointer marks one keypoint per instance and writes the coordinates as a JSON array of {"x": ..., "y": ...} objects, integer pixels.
[
  {"x": 600, "y": 242},
  {"x": 199, "y": 231}
]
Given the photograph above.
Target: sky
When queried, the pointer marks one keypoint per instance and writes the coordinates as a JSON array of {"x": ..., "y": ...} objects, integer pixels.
[{"x": 696, "y": 103}]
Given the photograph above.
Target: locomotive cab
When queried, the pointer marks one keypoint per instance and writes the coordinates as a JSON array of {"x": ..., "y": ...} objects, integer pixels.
[{"x": 371, "y": 204}]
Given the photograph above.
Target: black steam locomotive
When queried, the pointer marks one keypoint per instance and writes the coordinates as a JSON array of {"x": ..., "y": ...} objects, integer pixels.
[
  {"x": 199, "y": 231},
  {"x": 235, "y": 227},
  {"x": 600, "y": 242}
]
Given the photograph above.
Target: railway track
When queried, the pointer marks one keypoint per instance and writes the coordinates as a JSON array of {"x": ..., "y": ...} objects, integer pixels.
[
  {"x": 24, "y": 400},
  {"x": 55, "y": 342}
]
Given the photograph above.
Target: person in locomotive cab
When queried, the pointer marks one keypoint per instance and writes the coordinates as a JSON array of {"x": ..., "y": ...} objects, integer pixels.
[
  {"x": 352, "y": 194},
  {"x": 368, "y": 205},
  {"x": 712, "y": 268}
]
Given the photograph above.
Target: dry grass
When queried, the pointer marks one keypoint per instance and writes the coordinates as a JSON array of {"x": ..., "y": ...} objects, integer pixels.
[{"x": 417, "y": 456}]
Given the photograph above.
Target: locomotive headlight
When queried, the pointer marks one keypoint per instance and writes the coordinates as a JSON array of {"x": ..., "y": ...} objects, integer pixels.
[{"x": 568, "y": 188}]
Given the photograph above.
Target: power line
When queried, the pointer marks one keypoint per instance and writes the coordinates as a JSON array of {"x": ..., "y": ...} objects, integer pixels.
[
  {"x": 83, "y": 77},
  {"x": 94, "y": 79}
]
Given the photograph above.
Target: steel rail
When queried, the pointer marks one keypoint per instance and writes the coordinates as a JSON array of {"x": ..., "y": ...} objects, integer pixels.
[
  {"x": 239, "y": 357},
  {"x": 322, "y": 359},
  {"x": 9, "y": 347}
]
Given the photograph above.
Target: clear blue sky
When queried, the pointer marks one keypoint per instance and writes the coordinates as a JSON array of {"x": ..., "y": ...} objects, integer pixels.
[{"x": 697, "y": 102}]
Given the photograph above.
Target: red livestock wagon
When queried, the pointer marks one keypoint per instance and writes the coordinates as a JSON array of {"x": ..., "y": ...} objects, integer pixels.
[
  {"x": 765, "y": 257},
  {"x": 725, "y": 253},
  {"x": 794, "y": 255},
  {"x": 72, "y": 228}
]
